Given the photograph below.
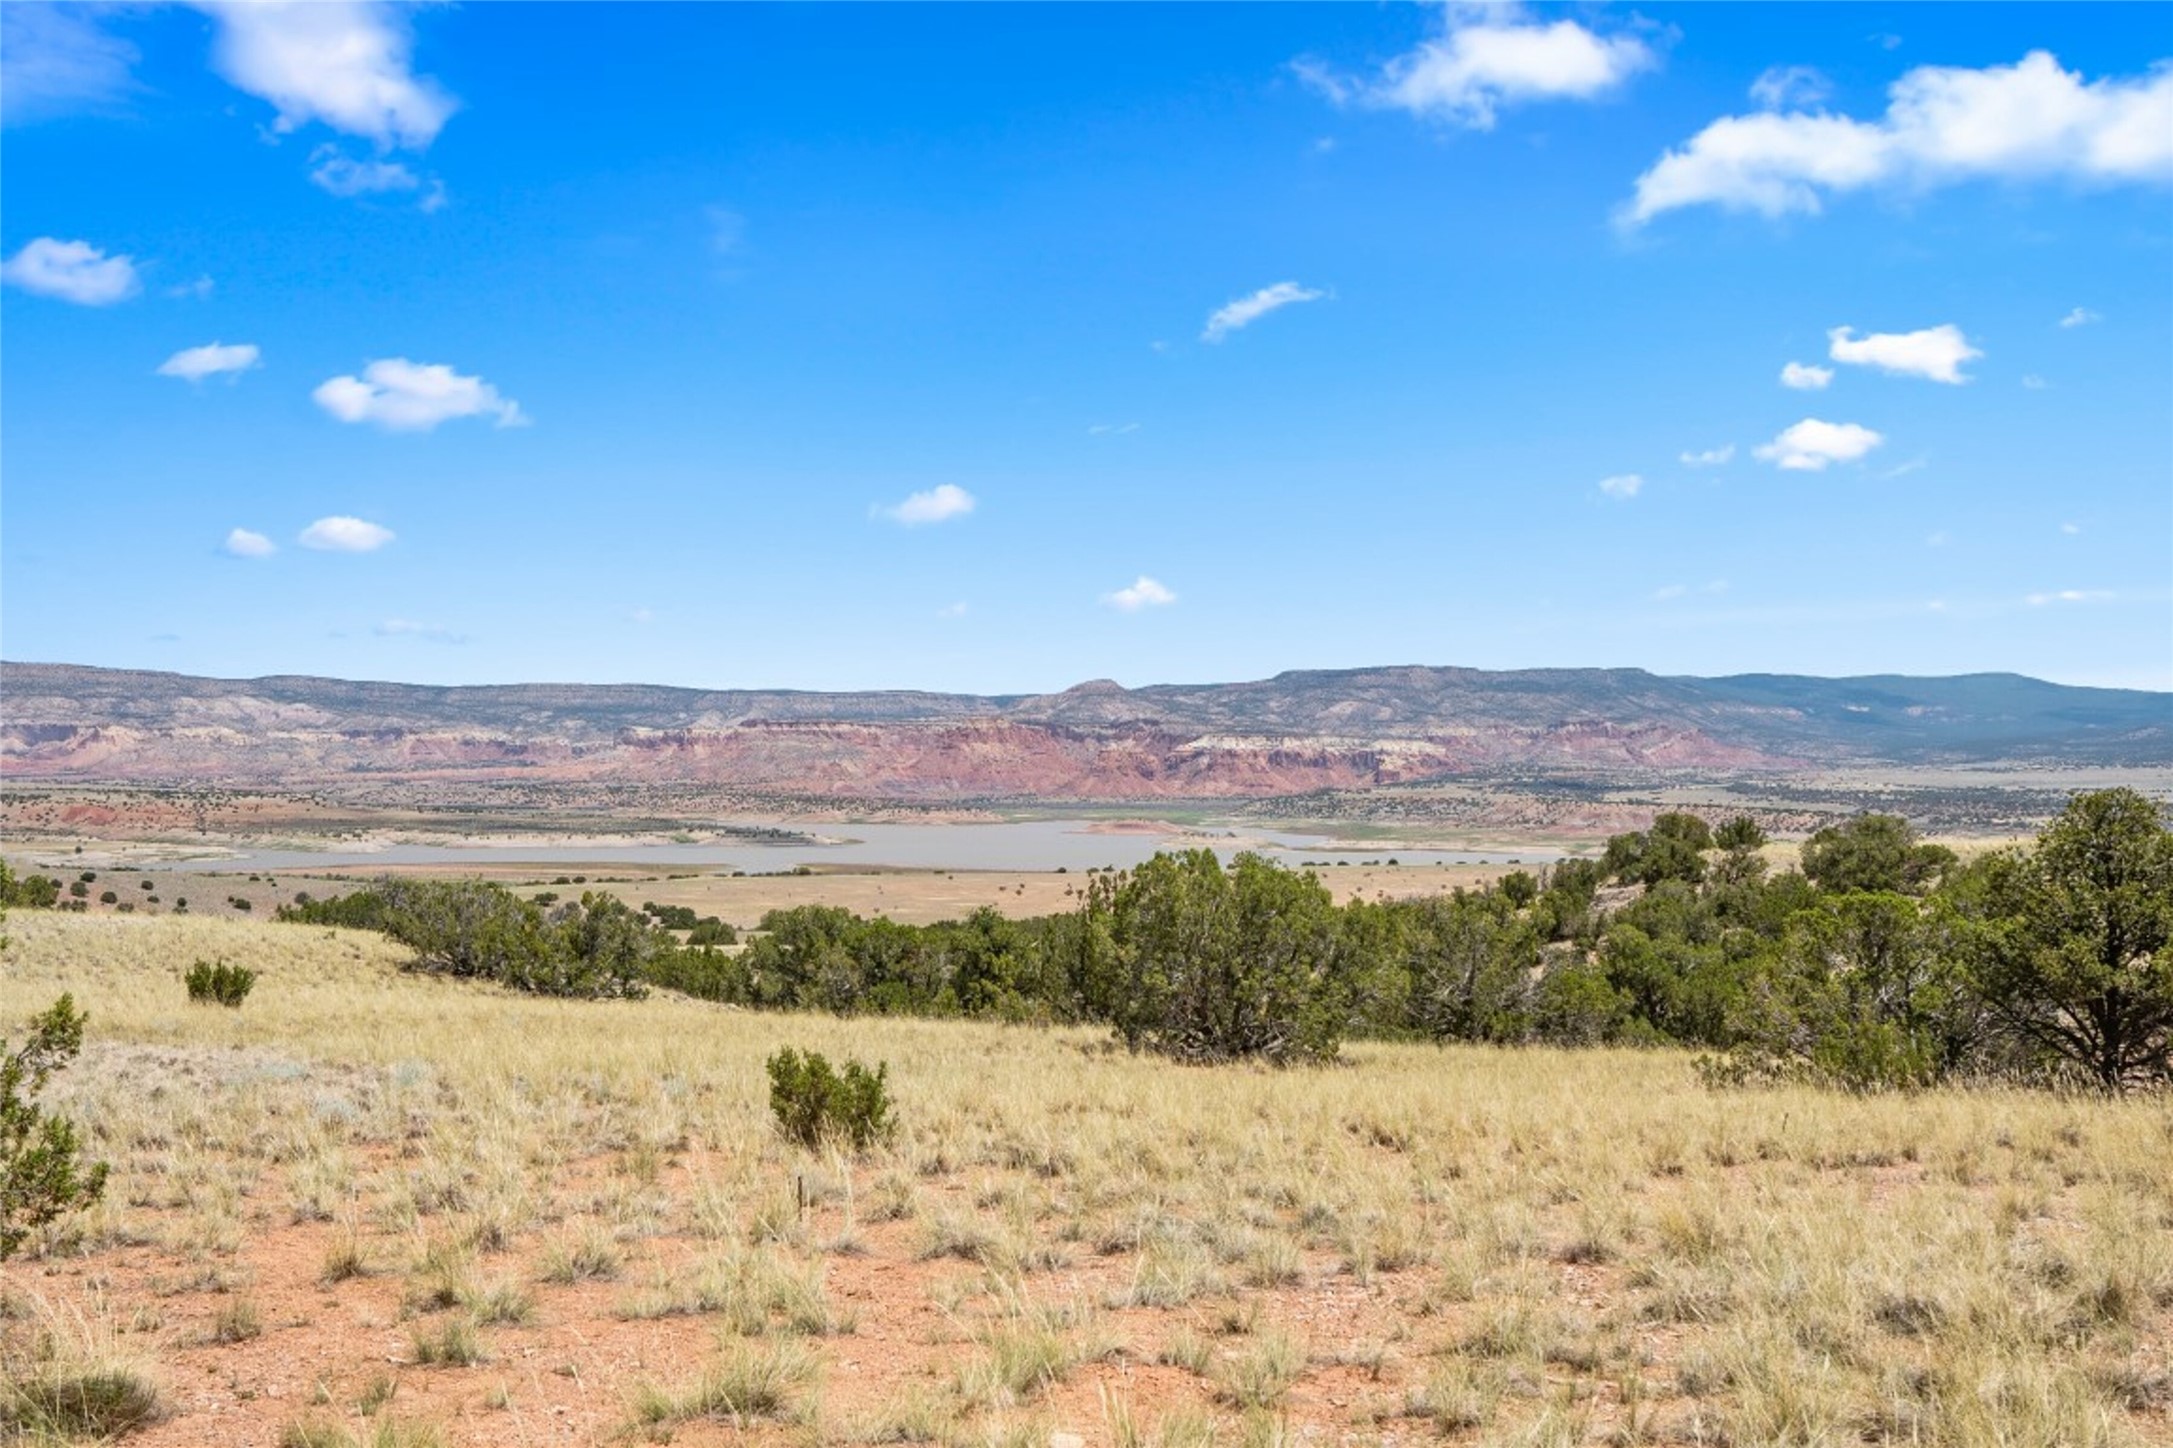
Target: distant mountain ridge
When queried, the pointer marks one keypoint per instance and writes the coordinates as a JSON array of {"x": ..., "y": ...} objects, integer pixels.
[{"x": 1301, "y": 730}]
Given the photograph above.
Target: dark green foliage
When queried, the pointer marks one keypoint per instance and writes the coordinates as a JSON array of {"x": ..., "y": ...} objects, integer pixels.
[
  {"x": 671, "y": 917},
  {"x": 217, "y": 983},
  {"x": 2069, "y": 943},
  {"x": 815, "y": 1105},
  {"x": 709, "y": 930},
  {"x": 594, "y": 948},
  {"x": 1740, "y": 833},
  {"x": 1469, "y": 962},
  {"x": 1673, "y": 849},
  {"x": 1519, "y": 888},
  {"x": 358, "y": 910},
  {"x": 42, "y": 1170},
  {"x": 1208, "y": 964},
  {"x": 702, "y": 972},
  {"x": 1874, "y": 852},
  {"x": 108, "y": 897},
  {"x": 30, "y": 892}
]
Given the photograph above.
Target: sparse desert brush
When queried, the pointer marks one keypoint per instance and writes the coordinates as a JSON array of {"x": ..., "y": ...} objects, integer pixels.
[
  {"x": 1528, "y": 1232},
  {"x": 214, "y": 982}
]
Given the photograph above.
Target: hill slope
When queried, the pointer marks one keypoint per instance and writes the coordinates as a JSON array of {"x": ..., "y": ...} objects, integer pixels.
[{"x": 1297, "y": 731}]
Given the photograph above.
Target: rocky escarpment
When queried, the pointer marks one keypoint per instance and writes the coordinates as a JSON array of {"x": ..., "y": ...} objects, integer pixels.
[{"x": 1295, "y": 733}]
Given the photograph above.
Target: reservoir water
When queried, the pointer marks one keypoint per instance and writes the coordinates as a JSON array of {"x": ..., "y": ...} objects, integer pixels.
[{"x": 1006, "y": 845}]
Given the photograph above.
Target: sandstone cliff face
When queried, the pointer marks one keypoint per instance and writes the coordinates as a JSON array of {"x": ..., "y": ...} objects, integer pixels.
[{"x": 1288, "y": 735}]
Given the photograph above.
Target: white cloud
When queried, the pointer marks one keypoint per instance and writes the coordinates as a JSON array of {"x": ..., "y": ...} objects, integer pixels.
[
  {"x": 952, "y": 610},
  {"x": 405, "y": 396},
  {"x": 1490, "y": 56},
  {"x": 2071, "y": 529},
  {"x": 1790, "y": 87},
  {"x": 1811, "y": 445},
  {"x": 407, "y": 628},
  {"x": 947, "y": 500},
  {"x": 55, "y": 59},
  {"x": 1934, "y": 352},
  {"x": 74, "y": 271},
  {"x": 198, "y": 289},
  {"x": 344, "y": 535},
  {"x": 242, "y": 543},
  {"x": 343, "y": 62},
  {"x": 2069, "y": 595},
  {"x": 342, "y": 175},
  {"x": 209, "y": 360},
  {"x": 1108, "y": 429},
  {"x": 1943, "y": 125},
  {"x": 2034, "y": 382},
  {"x": 2080, "y": 317},
  {"x": 1712, "y": 457},
  {"x": 1244, "y": 311},
  {"x": 1805, "y": 378},
  {"x": 1622, "y": 485},
  {"x": 1143, "y": 593}
]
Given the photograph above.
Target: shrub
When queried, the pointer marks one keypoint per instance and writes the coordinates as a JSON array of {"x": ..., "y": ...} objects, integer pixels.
[
  {"x": 42, "y": 1171},
  {"x": 815, "y": 1104},
  {"x": 34, "y": 892},
  {"x": 217, "y": 983},
  {"x": 709, "y": 930},
  {"x": 107, "y": 897},
  {"x": 1190, "y": 960}
]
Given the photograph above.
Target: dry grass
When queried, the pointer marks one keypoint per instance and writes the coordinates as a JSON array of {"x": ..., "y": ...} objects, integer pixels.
[{"x": 506, "y": 1221}]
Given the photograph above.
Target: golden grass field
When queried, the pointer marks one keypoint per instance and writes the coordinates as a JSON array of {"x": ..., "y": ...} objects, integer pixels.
[
  {"x": 910, "y": 896},
  {"x": 372, "y": 1207}
]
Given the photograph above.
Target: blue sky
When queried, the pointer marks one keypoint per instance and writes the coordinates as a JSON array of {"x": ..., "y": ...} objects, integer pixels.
[{"x": 1001, "y": 347}]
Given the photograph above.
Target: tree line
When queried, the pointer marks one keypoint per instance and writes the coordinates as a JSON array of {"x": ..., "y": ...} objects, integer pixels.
[{"x": 1882, "y": 961}]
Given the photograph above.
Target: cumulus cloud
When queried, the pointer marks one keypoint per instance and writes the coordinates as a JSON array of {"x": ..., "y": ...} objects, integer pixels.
[
  {"x": 1245, "y": 311},
  {"x": 1623, "y": 485},
  {"x": 1934, "y": 352},
  {"x": 345, "y": 63},
  {"x": 1943, "y": 125},
  {"x": 339, "y": 534},
  {"x": 1811, "y": 445},
  {"x": 1790, "y": 87},
  {"x": 2080, "y": 317},
  {"x": 55, "y": 59},
  {"x": 1711, "y": 457},
  {"x": 404, "y": 396},
  {"x": 242, "y": 543},
  {"x": 210, "y": 360},
  {"x": 74, "y": 271},
  {"x": 947, "y": 500},
  {"x": 1488, "y": 57},
  {"x": 1143, "y": 593},
  {"x": 1804, "y": 377}
]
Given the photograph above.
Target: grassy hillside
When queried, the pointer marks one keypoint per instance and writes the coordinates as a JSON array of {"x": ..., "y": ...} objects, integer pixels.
[{"x": 371, "y": 1202}]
